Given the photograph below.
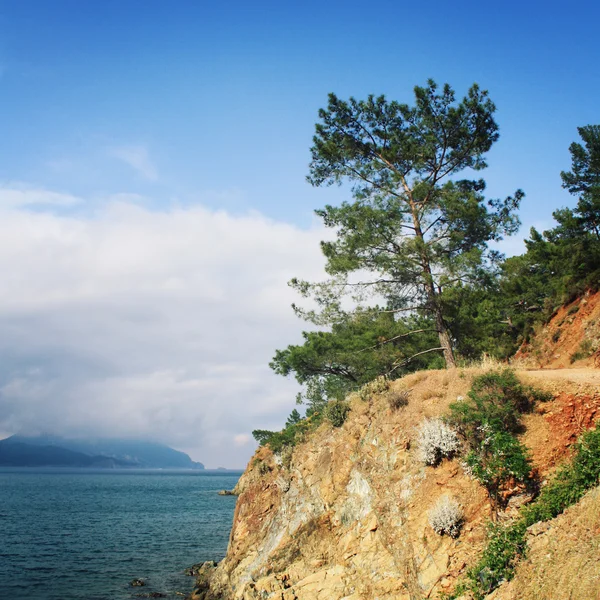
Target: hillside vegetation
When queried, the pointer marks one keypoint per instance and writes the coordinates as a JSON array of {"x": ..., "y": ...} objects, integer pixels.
[{"x": 403, "y": 480}]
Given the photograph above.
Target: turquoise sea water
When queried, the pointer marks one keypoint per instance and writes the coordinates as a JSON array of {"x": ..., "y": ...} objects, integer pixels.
[{"x": 84, "y": 535}]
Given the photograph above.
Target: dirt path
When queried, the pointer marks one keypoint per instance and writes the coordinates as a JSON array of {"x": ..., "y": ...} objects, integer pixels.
[{"x": 587, "y": 376}]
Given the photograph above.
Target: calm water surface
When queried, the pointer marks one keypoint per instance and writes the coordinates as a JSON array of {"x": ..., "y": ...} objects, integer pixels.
[{"x": 84, "y": 535}]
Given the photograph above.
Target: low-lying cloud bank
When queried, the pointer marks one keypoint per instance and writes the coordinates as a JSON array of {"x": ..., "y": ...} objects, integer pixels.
[{"x": 146, "y": 323}]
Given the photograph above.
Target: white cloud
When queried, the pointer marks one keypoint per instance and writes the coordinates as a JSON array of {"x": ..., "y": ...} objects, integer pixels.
[
  {"x": 149, "y": 323},
  {"x": 241, "y": 439},
  {"x": 20, "y": 195},
  {"x": 138, "y": 158}
]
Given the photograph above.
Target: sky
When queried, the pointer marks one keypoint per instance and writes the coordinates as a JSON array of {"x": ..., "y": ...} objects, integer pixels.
[{"x": 153, "y": 201}]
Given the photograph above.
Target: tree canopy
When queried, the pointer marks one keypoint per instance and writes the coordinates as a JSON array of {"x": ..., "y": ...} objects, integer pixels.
[
  {"x": 356, "y": 350},
  {"x": 413, "y": 227}
]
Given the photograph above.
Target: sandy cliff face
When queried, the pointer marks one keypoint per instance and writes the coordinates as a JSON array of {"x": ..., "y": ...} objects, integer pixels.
[{"x": 345, "y": 516}]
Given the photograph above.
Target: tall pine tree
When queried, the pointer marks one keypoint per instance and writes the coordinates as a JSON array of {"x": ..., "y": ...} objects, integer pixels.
[{"x": 414, "y": 227}]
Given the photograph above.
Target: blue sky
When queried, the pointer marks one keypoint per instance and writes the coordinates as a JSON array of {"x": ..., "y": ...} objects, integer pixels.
[
  {"x": 224, "y": 96},
  {"x": 151, "y": 151}
]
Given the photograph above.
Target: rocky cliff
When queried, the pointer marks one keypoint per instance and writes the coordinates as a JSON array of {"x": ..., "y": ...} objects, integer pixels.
[{"x": 345, "y": 515}]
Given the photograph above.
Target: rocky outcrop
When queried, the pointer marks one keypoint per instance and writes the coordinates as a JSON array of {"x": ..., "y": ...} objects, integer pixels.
[{"x": 345, "y": 517}]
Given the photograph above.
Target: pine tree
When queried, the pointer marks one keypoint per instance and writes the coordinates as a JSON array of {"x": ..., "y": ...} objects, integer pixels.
[{"x": 413, "y": 226}]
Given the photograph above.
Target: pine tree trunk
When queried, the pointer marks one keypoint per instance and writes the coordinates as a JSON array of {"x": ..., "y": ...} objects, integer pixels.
[
  {"x": 433, "y": 296},
  {"x": 445, "y": 341}
]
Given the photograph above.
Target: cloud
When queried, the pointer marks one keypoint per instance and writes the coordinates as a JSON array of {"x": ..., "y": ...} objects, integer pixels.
[
  {"x": 146, "y": 323},
  {"x": 137, "y": 157},
  {"x": 242, "y": 439},
  {"x": 21, "y": 195}
]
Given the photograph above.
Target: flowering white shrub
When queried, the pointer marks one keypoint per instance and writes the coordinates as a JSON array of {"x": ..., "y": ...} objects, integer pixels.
[
  {"x": 436, "y": 440},
  {"x": 446, "y": 517}
]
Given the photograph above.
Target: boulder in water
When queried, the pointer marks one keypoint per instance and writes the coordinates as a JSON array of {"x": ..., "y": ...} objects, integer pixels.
[{"x": 200, "y": 569}]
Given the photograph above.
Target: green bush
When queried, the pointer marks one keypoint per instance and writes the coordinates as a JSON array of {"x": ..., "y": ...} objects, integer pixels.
[
  {"x": 294, "y": 432},
  {"x": 506, "y": 545},
  {"x": 489, "y": 419},
  {"x": 336, "y": 412},
  {"x": 500, "y": 458},
  {"x": 495, "y": 403},
  {"x": 585, "y": 350}
]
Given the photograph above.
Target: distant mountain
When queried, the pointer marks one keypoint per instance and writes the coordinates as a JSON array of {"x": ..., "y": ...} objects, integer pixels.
[
  {"x": 101, "y": 452},
  {"x": 19, "y": 454}
]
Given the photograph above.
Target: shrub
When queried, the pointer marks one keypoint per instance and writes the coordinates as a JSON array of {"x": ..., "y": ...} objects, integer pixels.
[
  {"x": 336, "y": 412},
  {"x": 501, "y": 458},
  {"x": 495, "y": 403},
  {"x": 436, "y": 440},
  {"x": 585, "y": 350},
  {"x": 262, "y": 467},
  {"x": 446, "y": 517},
  {"x": 294, "y": 432},
  {"x": 377, "y": 386},
  {"x": 506, "y": 544},
  {"x": 398, "y": 398},
  {"x": 488, "y": 419}
]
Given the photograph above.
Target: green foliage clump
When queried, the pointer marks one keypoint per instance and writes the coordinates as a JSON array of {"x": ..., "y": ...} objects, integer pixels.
[
  {"x": 563, "y": 262},
  {"x": 263, "y": 436},
  {"x": 499, "y": 459},
  {"x": 336, "y": 412},
  {"x": 297, "y": 428},
  {"x": 489, "y": 419},
  {"x": 494, "y": 404},
  {"x": 359, "y": 348},
  {"x": 585, "y": 350},
  {"x": 506, "y": 545},
  {"x": 481, "y": 319},
  {"x": 294, "y": 432},
  {"x": 293, "y": 419}
]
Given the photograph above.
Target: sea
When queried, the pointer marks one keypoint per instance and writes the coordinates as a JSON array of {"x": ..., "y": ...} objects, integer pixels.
[{"x": 78, "y": 534}]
